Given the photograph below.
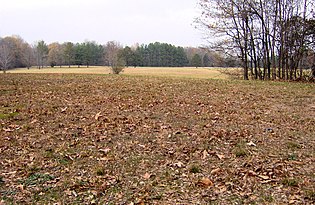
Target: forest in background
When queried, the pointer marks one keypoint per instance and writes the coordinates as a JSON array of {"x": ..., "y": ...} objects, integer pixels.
[{"x": 15, "y": 52}]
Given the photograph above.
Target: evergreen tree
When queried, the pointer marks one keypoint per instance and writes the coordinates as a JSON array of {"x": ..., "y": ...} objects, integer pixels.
[
  {"x": 68, "y": 53},
  {"x": 162, "y": 55},
  {"x": 79, "y": 54},
  {"x": 206, "y": 61},
  {"x": 196, "y": 61}
]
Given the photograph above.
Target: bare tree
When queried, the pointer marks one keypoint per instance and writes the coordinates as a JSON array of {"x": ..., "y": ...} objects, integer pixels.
[
  {"x": 6, "y": 56},
  {"x": 269, "y": 36},
  {"x": 28, "y": 57},
  {"x": 55, "y": 54},
  {"x": 112, "y": 56}
]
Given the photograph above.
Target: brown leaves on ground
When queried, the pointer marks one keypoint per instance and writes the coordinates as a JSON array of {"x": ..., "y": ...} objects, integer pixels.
[
  {"x": 205, "y": 182},
  {"x": 84, "y": 139}
]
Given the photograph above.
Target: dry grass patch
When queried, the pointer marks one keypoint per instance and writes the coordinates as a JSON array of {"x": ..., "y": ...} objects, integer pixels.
[{"x": 203, "y": 73}]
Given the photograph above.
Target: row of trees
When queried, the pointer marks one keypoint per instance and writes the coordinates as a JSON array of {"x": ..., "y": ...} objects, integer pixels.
[
  {"x": 161, "y": 55},
  {"x": 274, "y": 39},
  {"x": 16, "y": 53}
]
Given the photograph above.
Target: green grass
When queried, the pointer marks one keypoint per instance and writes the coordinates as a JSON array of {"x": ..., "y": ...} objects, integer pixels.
[
  {"x": 195, "y": 169},
  {"x": 37, "y": 178},
  {"x": 290, "y": 182},
  {"x": 240, "y": 150},
  {"x": 8, "y": 115}
]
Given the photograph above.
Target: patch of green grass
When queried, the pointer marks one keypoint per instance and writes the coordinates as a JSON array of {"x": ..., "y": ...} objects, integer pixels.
[
  {"x": 292, "y": 156},
  {"x": 240, "y": 150},
  {"x": 7, "y": 196},
  {"x": 8, "y": 115},
  {"x": 310, "y": 194},
  {"x": 100, "y": 171},
  {"x": 157, "y": 197},
  {"x": 290, "y": 182},
  {"x": 37, "y": 178},
  {"x": 63, "y": 161},
  {"x": 195, "y": 169},
  {"x": 49, "y": 153},
  {"x": 293, "y": 145},
  {"x": 268, "y": 198},
  {"x": 33, "y": 169},
  {"x": 234, "y": 199}
]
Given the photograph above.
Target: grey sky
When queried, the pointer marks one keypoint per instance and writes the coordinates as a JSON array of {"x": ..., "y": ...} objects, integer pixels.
[{"x": 126, "y": 21}]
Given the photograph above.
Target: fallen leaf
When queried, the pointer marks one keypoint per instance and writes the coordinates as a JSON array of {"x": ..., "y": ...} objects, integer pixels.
[
  {"x": 205, "y": 182},
  {"x": 103, "y": 159},
  {"x": 98, "y": 115},
  {"x": 141, "y": 202},
  {"x": 105, "y": 151},
  {"x": 68, "y": 192},
  {"x": 251, "y": 144},
  {"x": 215, "y": 171},
  {"x": 268, "y": 181},
  {"x": 142, "y": 146},
  {"x": 93, "y": 201},
  {"x": 252, "y": 173},
  {"x": 220, "y": 156},
  {"x": 179, "y": 164},
  {"x": 64, "y": 109},
  {"x": 74, "y": 193},
  {"x": 204, "y": 154},
  {"x": 146, "y": 176},
  {"x": 8, "y": 130},
  {"x": 34, "y": 121},
  {"x": 263, "y": 177},
  {"x": 20, "y": 187},
  {"x": 222, "y": 189}
]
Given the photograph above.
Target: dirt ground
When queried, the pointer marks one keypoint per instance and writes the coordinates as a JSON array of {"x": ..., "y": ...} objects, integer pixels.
[{"x": 106, "y": 139}]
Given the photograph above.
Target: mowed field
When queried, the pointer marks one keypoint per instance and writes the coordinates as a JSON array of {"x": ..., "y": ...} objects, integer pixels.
[
  {"x": 126, "y": 139},
  {"x": 174, "y": 72}
]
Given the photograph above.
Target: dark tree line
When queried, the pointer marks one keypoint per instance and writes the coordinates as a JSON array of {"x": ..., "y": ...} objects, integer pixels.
[
  {"x": 162, "y": 55},
  {"x": 272, "y": 38}
]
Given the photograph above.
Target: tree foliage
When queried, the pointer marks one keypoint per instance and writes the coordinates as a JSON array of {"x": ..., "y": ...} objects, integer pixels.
[
  {"x": 196, "y": 61},
  {"x": 162, "y": 55},
  {"x": 41, "y": 53}
]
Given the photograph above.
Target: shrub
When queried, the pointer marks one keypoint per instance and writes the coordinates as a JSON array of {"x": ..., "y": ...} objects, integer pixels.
[{"x": 118, "y": 66}]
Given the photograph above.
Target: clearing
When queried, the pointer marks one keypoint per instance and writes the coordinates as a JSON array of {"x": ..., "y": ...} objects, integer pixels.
[
  {"x": 174, "y": 72},
  {"x": 108, "y": 139}
]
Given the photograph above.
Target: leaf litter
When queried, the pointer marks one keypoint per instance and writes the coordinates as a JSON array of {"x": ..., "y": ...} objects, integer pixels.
[{"x": 88, "y": 139}]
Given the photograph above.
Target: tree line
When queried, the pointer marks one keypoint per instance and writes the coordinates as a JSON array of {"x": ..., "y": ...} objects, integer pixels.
[
  {"x": 17, "y": 53},
  {"x": 273, "y": 39}
]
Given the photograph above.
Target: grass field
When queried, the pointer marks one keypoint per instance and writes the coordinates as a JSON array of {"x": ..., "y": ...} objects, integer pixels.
[
  {"x": 122, "y": 139},
  {"x": 205, "y": 73}
]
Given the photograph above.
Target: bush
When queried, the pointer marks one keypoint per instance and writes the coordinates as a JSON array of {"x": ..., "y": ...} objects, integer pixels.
[{"x": 118, "y": 66}]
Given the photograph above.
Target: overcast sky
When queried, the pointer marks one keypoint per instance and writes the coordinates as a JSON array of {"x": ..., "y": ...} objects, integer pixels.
[{"x": 126, "y": 21}]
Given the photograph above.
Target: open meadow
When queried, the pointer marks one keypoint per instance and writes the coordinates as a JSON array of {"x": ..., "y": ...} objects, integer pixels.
[
  {"x": 147, "y": 139},
  {"x": 174, "y": 72}
]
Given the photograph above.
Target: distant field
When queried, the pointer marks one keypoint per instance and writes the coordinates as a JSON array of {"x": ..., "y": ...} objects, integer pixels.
[{"x": 204, "y": 73}]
